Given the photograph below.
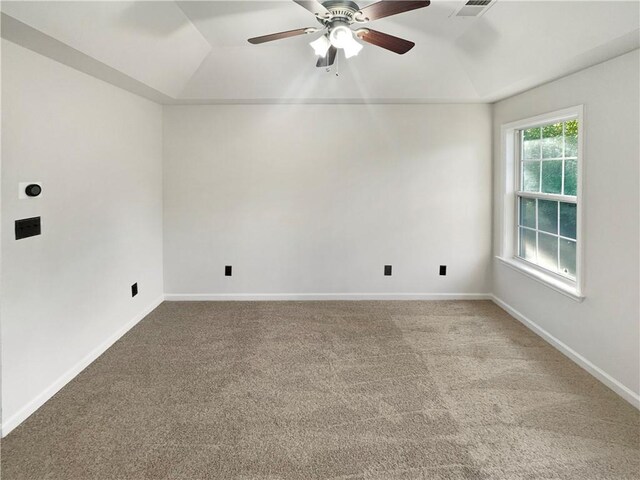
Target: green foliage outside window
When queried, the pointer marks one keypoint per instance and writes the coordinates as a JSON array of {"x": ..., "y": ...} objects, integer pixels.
[{"x": 549, "y": 158}]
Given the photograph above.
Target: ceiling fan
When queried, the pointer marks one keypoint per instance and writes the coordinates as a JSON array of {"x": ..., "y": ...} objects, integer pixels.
[{"x": 336, "y": 18}]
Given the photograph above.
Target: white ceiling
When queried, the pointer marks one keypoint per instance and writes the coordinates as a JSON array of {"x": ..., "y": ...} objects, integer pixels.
[{"x": 196, "y": 51}]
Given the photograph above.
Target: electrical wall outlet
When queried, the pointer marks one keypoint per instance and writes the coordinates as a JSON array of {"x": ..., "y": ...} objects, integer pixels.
[
  {"x": 387, "y": 270},
  {"x": 443, "y": 270},
  {"x": 227, "y": 270},
  {"x": 134, "y": 289}
]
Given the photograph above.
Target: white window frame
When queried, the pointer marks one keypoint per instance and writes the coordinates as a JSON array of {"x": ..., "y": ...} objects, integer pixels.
[{"x": 510, "y": 177}]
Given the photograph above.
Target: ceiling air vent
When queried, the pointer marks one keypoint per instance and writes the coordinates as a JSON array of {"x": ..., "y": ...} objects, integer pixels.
[{"x": 474, "y": 8}]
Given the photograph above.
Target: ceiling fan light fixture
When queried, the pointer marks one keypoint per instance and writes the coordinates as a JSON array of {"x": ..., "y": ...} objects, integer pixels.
[
  {"x": 352, "y": 48},
  {"x": 321, "y": 46},
  {"x": 340, "y": 35}
]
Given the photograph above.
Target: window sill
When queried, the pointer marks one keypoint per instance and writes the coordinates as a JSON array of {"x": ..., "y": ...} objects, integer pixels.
[{"x": 547, "y": 280}]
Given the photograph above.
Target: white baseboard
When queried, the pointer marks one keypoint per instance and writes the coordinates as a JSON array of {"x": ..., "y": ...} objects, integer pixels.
[
  {"x": 257, "y": 297},
  {"x": 21, "y": 415},
  {"x": 625, "y": 392}
]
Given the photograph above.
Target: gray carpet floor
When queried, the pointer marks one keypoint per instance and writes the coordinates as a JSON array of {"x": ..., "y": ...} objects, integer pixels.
[{"x": 329, "y": 390}]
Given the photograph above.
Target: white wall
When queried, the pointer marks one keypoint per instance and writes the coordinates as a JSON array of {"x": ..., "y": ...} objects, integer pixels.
[
  {"x": 604, "y": 328},
  {"x": 315, "y": 199},
  {"x": 65, "y": 294}
]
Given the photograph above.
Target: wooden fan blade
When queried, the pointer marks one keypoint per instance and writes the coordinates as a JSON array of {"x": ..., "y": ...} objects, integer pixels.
[
  {"x": 329, "y": 58},
  {"x": 386, "y": 8},
  {"x": 280, "y": 35},
  {"x": 313, "y": 6},
  {"x": 384, "y": 40}
]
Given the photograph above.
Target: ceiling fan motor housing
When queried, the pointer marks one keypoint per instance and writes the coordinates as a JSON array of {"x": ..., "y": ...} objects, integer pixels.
[{"x": 340, "y": 10}]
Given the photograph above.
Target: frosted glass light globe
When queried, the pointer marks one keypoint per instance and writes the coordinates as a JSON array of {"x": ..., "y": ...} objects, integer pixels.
[{"x": 340, "y": 35}]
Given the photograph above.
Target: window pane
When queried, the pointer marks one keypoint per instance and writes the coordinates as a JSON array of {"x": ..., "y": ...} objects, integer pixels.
[
  {"x": 528, "y": 212},
  {"x": 571, "y": 138},
  {"x": 531, "y": 143},
  {"x": 531, "y": 176},
  {"x": 552, "y": 141},
  {"x": 570, "y": 177},
  {"x": 548, "y": 216},
  {"x": 568, "y": 220},
  {"x": 568, "y": 258},
  {"x": 548, "y": 251},
  {"x": 547, "y": 229},
  {"x": 552, "y": 176},
  {"x": 528, "y": 244},
  {"x": 531, "y": 134}
]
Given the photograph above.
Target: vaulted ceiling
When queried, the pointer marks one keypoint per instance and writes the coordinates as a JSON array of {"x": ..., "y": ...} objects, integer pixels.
[{"x": 197, "y": 51}]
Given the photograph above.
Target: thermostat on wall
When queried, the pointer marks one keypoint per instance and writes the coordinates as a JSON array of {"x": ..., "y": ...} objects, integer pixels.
[{"x": 29, "y": 189}]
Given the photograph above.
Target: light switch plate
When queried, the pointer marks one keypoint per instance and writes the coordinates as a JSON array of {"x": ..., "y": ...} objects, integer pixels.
[{"x": 21, "y": 190}]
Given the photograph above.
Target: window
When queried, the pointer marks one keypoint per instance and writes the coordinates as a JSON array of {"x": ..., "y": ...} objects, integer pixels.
[
  {"x": 547, "y": 196},
  {"x": 541, "y": 214}
]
